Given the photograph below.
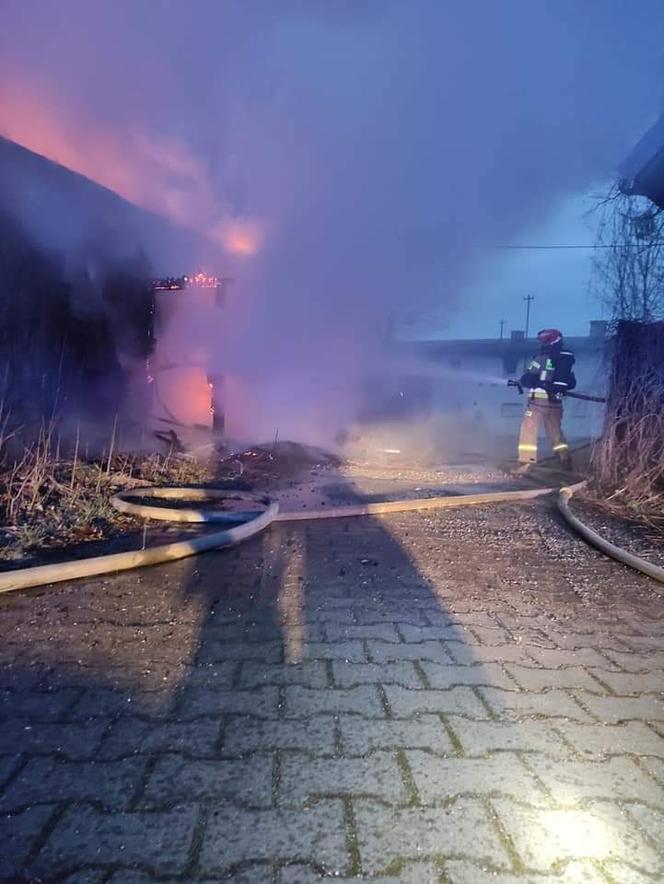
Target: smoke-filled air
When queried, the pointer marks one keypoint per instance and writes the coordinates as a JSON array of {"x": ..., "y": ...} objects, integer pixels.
[{"x": 348, "y": 165}]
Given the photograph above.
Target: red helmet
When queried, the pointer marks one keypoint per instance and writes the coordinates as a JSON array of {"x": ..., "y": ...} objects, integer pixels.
[{"x": 549, "y": 336}]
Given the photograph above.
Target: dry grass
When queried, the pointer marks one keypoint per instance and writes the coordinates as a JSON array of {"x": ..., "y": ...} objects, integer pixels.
[
  {"x": 628, "y": 461},
  {"x": 48, "y": 501}
]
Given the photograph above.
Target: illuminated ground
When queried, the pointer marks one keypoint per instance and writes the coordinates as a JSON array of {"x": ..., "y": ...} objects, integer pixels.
[{"x": 429, "y": 697}]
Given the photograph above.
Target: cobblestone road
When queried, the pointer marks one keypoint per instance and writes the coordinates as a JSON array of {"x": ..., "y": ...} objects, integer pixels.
[{"x": 465, "y": 696}]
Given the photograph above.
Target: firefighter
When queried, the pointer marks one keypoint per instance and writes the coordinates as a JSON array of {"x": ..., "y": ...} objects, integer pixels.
[{"x": 547, "y": 378}]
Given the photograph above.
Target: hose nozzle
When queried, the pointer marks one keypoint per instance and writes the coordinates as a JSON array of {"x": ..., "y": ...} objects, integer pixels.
[{"x": 512, "y": 383}]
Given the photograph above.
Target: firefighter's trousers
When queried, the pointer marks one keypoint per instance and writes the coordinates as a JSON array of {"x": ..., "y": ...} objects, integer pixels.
[{"x": 549, "y": 414}]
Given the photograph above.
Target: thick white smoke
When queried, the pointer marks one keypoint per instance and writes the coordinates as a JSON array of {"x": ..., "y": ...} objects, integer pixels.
[{"x": 350, "y": 161}]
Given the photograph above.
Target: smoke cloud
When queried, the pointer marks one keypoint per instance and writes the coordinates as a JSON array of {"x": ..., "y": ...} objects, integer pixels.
[{"x": 348, "y": 162}]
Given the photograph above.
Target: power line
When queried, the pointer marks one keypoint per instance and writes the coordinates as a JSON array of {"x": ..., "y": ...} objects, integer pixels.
[{"x": 626, "y": 245}]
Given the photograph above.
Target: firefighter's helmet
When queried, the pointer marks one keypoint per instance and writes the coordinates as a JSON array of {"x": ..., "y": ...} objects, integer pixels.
[{"x": 549, "y": 336}]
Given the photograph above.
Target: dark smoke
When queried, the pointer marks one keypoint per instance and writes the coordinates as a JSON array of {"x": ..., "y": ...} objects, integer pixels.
[{"x": 353, "y": 161}]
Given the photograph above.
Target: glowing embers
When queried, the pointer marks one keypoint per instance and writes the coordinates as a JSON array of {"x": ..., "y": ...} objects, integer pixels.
[{"x": 179, "y": 283}]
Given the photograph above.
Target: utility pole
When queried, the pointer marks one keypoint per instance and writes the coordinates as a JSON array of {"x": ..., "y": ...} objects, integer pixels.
[
  {"x": 502, "y": 328},
  {"x": 528, "y": 299}
]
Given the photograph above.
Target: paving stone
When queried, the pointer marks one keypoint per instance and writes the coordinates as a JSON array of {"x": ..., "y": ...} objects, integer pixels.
[
  {"x": 8, "y": 765},
  {"x": 481, "y": 737},
  {"x": 492, "y": 635},
  {"x": 596, "y": 639},
  {"x": 241, "y": 632},
  {"x": 464, "y": 872},
  {"x": 618, "y": 778},
  {"x": 385, "y": 652},
  {"x": 650, "y": 821},
  {"x": 381, "y": 631},
  {"x": 131, "y": 876},
  {"x": 413, "y": 873},
  {"x": 257, "y": 873},
  {"x": 517, "y": 704},
  {"x": 215, "y": 651},
  {"x": 634, "y": 682},
  {"x": 210, "y": 675},
  {"x": 19, "y": 678},
  {"x": 107, "y": 702},
  {"x": 601, "y": 740},
  {"x": 632, "y": 662},
  {"x": 315, "y": 735},
  {"x": 134, "y": 735},
  {"x": 655, "y": 767},
  {"x": 350, "y": 651},
  {"x": 376, "y": 775},
  {"x": 452, "y": 632},
  {"x": 18, "y": 833},
  {"x": 90, "y": 876},
  {"x": 544, "y": 837},
  {"x": 470, "y": 655},
  {"x": 73, "y": 740},
  {"x": 336, "y": 615},
  {"x": 303, "y": 702},
  {"x": 642, "y": 643},
  {"x": 622, "y": 874},
  {"x": 312, "y": 835},
  {"x": 262, "y": 702},
  {"x": 160, "y": 841},
  {"x": 405, "y": 613},
  {"x": 616, "y": 709},
  {"x": 543, "y": 679},
  {"x": 441, "y": 675},
  {"x": 176, "y": 780},
  {"x": 440, "y": 778},
  {"x": 552, "y": 658},
  {"x": 311, "y": 673},
  {"x": 113, "y": 784},
  {"x": 386, "y": 834},
  {"x": 405, "y": 702},
  {"x": 303, "y": 630},
  {"x": 37, "y": 706},
  {"x": 350, "y": 674},
  {"x": 360, "y": 736}
]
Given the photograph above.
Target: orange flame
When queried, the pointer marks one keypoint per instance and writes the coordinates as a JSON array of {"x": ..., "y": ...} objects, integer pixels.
[{"x": 239, "y": 238}]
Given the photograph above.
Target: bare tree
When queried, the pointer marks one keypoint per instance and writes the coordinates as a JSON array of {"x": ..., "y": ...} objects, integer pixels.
[{"x": 628, "y": 266}]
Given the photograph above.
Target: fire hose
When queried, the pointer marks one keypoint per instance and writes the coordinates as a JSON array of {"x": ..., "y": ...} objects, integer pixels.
[
  {"x": 241, "y": 526},
  {"x": 610, "y": 549},
  {"x": 568, "y": 394},
  {"x": 250, "y": 524}
]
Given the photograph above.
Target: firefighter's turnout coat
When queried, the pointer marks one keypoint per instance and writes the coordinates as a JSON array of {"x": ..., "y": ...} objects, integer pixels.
[{"x": 548, "y": 376}]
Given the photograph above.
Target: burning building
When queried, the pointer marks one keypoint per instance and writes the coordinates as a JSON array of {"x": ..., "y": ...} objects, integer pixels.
[
  {"x": 187, "y": 396},
  {"x": 78, "y": 314}
]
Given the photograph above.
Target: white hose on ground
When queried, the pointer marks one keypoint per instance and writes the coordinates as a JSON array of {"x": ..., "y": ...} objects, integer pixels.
[
  {"x": 25, "y": 578},
  {"x": 605, "y": 546},
  {"x": 252, "y": 523}
]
